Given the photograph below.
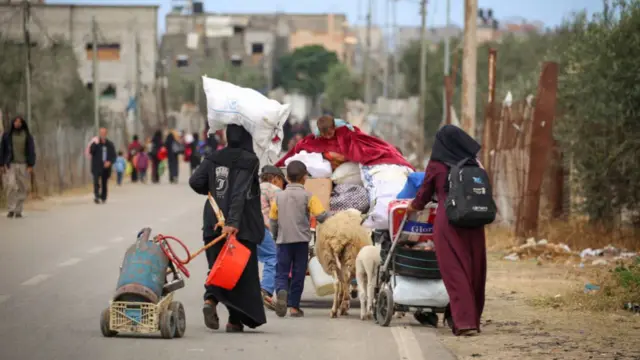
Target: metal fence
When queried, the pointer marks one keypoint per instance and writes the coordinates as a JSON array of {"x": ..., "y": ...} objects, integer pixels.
[{"x": 521, "y": 157}]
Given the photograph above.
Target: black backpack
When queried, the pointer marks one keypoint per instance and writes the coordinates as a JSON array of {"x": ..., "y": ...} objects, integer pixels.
[{"x": 469, "y": 201}]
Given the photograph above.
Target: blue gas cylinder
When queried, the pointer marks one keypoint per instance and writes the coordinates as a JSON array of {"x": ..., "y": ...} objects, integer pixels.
[{"x": 143, "y": 271}]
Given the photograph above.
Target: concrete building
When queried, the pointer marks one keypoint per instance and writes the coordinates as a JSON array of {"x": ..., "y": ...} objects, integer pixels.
[
  {"x": 255, "y": 40},
  {"x": 118, "y": 27}
]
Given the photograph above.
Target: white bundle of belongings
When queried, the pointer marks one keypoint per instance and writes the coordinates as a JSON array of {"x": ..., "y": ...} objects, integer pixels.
[
  {"x": 262, "y": 117},
  {"x": 383, "y": 183},
  {"x": 356, "y": 186}
]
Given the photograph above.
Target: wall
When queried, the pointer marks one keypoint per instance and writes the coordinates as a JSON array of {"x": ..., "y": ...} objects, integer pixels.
[{"x": 116, "y": 24}]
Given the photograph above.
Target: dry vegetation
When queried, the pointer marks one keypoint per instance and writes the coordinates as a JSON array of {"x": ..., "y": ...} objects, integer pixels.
[{"x": 539, "y": 310}]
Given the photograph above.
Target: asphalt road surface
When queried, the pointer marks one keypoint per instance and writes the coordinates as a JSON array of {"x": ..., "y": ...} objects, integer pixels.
[{"x": 59, "y": 266}]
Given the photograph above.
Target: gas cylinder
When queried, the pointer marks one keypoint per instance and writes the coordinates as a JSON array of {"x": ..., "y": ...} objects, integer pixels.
[{"x": 143, "y": 271}]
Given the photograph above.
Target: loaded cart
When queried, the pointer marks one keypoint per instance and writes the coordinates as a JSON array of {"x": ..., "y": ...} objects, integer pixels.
[
  {"x": 143, "y": 302},
  {"x": 409, "y": 277}
]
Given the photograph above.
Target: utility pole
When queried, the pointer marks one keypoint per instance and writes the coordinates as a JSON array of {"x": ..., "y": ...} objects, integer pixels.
[
  {"x": 272, "y": 51},
  {"x": 447, "y": 66},
  {"x": 396, "y": 59},
  {"x": 469, "y": 67},
  {"x": 386, "y": 38},
  {"x": 423, "y": 79},
  {"x": 26, "y": 18},
  {"x": 366, "y": 66},
  {"x": 138, "y": 96},
  {"x": 96, "y": 80}
]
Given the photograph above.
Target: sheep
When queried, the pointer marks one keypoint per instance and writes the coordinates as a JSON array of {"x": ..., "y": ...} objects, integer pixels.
[
  {"x": 338, "y": 242},
  {"x": 367, "y": 264}
]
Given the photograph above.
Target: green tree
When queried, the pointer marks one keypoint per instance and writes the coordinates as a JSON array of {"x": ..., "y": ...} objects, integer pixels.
[
  {"x": 304, "y": 69},
  {"x": 340, "y": 85},
  {"x": 599, "y": 97}
]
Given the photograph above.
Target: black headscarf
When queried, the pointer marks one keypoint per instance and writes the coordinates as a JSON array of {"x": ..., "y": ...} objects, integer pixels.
[
  {"x": 452, "y": 145},
  {"x": 239, "y": 138}
]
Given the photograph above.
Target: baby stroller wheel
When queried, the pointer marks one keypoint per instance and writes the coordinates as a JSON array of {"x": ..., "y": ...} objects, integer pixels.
[
  {"x": 384, "y": 307},
  {"x": 426, "y": 318}
]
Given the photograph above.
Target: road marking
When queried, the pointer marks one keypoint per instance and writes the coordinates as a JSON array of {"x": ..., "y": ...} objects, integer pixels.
[
  {"x": 4, "y": 298},
  {"x": 408, "y": 347},
  {"x": 117, "y": 240},
  {"x": 69, "y": 262},
  {"x": 196, "y": 350},
  {"x": 96, "y": 250},
  {"x": 36, "y": 280}
]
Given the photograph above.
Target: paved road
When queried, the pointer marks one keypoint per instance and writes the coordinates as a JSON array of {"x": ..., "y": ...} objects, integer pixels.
[{"x": 59, "y": 267}]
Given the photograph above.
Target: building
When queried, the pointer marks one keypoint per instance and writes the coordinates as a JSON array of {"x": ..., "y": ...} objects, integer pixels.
[
  {"x": 254, "y": 40},
  {"x": 118, "y": 27}
]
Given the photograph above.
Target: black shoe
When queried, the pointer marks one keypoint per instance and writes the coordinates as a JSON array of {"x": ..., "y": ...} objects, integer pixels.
[
  {"x": 18, "y": 215},
  {"x": 10, "y": 214},
  {"x": 104, "y": 201},
  {"x": 96, "y": 200},
  {"x": 234, "y": 328}
]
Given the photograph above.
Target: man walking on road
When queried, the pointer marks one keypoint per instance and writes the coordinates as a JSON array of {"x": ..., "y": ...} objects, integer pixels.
[
  {"x": 17, "y": 158},
  {"x": 103, "y": 155}
]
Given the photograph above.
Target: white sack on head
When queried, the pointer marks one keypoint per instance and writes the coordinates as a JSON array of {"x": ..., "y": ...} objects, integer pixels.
[{"x": 262, "y": 117}]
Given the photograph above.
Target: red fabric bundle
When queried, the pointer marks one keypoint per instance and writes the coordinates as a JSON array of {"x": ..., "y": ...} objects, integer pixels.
[{"x": 355, "y": 145}]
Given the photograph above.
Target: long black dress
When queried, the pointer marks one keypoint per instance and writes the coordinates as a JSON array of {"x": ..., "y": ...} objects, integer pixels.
[{"x": 231, "y": 176}]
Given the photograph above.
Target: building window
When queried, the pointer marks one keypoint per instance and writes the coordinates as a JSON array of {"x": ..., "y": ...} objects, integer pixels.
[
  {"x": 106, "y": 52},
  {"x": 90, "y": 86},
  {"x": 109, "y": 92},
  {"x": 257, "y": 48},
  {"x": 182, "y": 61},
  {"x": 238, "y": 30}
]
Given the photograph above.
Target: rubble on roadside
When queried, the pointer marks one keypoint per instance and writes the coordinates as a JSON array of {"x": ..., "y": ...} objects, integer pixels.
[{"x": 544, "y": 251}]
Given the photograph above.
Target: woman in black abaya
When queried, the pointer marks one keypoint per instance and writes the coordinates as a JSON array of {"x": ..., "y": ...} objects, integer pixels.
[{"x": 231, "y": 176}]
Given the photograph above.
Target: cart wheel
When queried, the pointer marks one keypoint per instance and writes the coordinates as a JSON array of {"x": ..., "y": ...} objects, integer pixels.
[
  {"x": 426, "y": 318},
  {"x": 384, "y": 307},
  {"x": 105, "y": 319},
  {"x": 167, "y": 324},
  {"x": 180, "y": 318}
]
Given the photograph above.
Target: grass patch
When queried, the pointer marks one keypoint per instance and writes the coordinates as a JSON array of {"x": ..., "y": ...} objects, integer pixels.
[{"x": 618, "y": 286}]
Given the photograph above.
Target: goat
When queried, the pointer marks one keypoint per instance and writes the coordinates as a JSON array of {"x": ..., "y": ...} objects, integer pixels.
[{"x": 339, "y": 240}]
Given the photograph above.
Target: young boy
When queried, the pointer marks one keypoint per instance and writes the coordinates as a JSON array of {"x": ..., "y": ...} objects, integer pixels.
[
  {"x": 120, "y": 166},
  {"x": 290, "y": 225},
  {"x": 271, "y": 182}
]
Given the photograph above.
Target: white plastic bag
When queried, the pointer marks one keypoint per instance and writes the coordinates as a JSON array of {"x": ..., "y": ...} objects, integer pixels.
[
  {"x": 383, "y": 183},
  {"x": 322, "y": 282},
  {"x": 263, "y": 118},
  {"x": 347, "y": 173},
  {"x": 317, "y": 166},
  {"x": 411, "y": 291}
]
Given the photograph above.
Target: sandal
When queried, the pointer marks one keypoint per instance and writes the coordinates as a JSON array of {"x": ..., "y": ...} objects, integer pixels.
[
  {"x": 210, "y": 313},
  {"x": 296, "y": 312},
  {"x": 267, "y": 300},
  {"x": 281, "y": 303}
]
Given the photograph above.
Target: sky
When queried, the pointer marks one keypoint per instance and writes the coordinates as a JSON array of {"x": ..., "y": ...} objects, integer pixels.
[{"x": 550, "y": 12}]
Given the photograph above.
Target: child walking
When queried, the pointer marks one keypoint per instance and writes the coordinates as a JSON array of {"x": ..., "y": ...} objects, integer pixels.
[
  {"x": 120, "y": 166},
  {"x": 290, "y": 225},
  {"x": 142, "y": 164},
  {"x": 271, "y": 182}
]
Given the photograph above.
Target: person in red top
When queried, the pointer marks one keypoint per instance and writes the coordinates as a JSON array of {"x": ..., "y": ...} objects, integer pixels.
[
  {"x": 134, "y": 148},
  {"x": 341, "y": 144},
  {"x": 462, "y": 254}
]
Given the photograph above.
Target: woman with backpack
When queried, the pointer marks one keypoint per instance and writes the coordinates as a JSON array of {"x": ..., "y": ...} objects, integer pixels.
[{"x": 459, "y": 226}]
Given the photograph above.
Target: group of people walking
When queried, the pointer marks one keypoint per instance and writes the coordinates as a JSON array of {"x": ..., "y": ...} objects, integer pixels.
[{"x": 231, "y": 176}]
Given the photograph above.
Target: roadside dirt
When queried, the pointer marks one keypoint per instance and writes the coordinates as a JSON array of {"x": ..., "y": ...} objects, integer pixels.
[{"x": 516, "y": 328}]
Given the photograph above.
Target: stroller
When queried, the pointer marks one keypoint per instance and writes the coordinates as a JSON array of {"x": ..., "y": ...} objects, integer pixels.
[{"x": 409, "y": 278}]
